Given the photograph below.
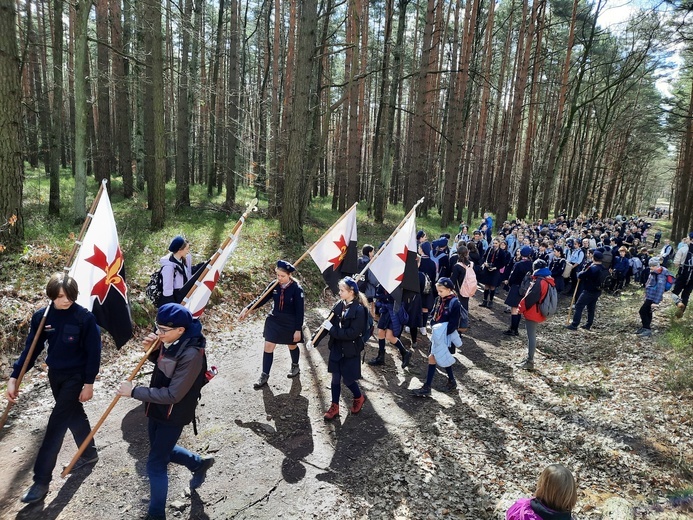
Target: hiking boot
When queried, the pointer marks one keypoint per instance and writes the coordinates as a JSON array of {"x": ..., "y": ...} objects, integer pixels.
[
  {"x": 35, "y": 493},
  {"x": 489, "y": 305},
  {"x": 262, "y": 381},
  {"x": 586, "y": 327},
  {"x": 639, "y": 330},
  {"x": 406, "y": 358},
  {"x": 424, "y": 391},
  {"x": 511, "y": 332},
  {"x": 199, "y": 475},
  {"x": 528, "y": 364},
  {"x": 484, "y": 304},
  {"x": 570, "y": 327},
  {"x": 85, "y": 461},
  {"x": 377, "y": 360},
  {"x": 332, "y": 412},
  {"x": 358, "y": 404},
  {"x": 451, "y": 386},
  {"x": 295, "y": 370},
  {"x": 679, "y": 311},
  {"x": 646, "y": 333}
]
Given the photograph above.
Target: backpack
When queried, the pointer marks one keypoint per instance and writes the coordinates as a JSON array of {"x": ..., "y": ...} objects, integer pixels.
[
  {"x": 608, "y": 259},
  {"x": 636, "y": 266},
  {"x": 368, "y": 328},
  {"x": 427, "y": 284},
  {"x": 670, "y": 281},
  {"x": 155, "y": 287},
  {"x": 549, "y": 305},
  {"x": 469, "y": 287},
  {"x": 604, "y": 277},
  {"x": 526, "y": 282}
]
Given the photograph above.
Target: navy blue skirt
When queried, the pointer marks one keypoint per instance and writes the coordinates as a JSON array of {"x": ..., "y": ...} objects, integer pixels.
[
  {"x": 491, "y": 278},
  {"x": 280, "y": 329},
  {"x": 349, "y": 368},
  {"x": 514, "y": 296}
]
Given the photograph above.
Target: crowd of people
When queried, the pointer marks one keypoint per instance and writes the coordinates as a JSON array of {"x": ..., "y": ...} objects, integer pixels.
[{"x": 522, "y": 263}]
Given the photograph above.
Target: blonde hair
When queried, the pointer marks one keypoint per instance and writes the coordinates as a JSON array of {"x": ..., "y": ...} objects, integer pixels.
[{"x": 556, "y": 488}]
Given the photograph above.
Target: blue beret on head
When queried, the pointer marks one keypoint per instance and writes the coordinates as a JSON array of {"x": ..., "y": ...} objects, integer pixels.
[
  {"x": 286, "y": 266},
  {"x": 174, "y": 315},
  {"x": 420, "y": 234},
  {"x": 526, "y": 251},
  {"x": 426, "y": 248},
  {"x": 446, "y": 282},
  {"x": 690, "y": 235},
  {"x": 440, "y": 243},
  {"x": 176, "y": 244},
  {"x": 598, "y": 255},
  {"x": 351, "y": 283}
]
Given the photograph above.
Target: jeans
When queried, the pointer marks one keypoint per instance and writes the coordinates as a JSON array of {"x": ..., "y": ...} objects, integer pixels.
[
  {"x": 586, "y": 299},
  {"x": 68, "y": 413},
  {"x": 163, "y": 449},
  {"x": 531, "y": 327}
]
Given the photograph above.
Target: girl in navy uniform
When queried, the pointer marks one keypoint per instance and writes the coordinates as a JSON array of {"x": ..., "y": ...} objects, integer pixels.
[
  {"x": 74, "y": 357},
  {"x": 494, "y": 261},
  {"x": 345, "y": 330},
  {"x": 284, "y": 323},
  {"x": 446, "y": 317},
  {"x": 389, "y": 328},
  {"x": 176, "y": 270},
  {"x": 520, "y": 269}
]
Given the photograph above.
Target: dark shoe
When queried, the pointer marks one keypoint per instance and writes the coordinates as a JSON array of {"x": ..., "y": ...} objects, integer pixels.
[
  {"x": 511, "y": 332},
  {"x": 262, "y": 381},
  {"x": 152, "y": 517},
  {"x": 199, "y": 475},
  {"x": 489, "y": 305},
  {"x": 483, "y": 304},
  {"x": 35, "y": 493},
  {"x": 586, "y": 327},
  {"x": 646, "y": 333},
  {"x": 378, "y": 360},
  {"x": 85, "y": 461},
  {"x": 332, "y": 412},
  {"x": 358, "y": 404},
  {"x": 295, "y": 370},
  {"x": 406, "y": 358},
  {"x": 424, "y": 391},
  {"x": 451, "y": 386},
  {"x": 570, "y": 327},
  {"x": 528, "y": 364},
  {"x": 639, "y": 330}
]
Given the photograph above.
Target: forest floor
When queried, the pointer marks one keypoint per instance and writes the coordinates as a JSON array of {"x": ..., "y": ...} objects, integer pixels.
[{"x": 598, "y": 402}]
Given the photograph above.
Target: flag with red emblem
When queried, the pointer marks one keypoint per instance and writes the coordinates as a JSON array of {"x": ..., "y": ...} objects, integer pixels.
[
  {"x": 395, "y": 266},
  {"x": 99, "y": 272},
  {"x": 336, "y": 253}
]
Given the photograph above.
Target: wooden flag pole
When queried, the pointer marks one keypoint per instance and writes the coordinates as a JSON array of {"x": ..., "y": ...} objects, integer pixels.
[
  {"x": 271, "y": 286},
  {"x": 382, "y": 248},
  {"x": 93, "y": 431},
  {"x": 39, "y": 330},
  {"x": 83, "y": 447}
]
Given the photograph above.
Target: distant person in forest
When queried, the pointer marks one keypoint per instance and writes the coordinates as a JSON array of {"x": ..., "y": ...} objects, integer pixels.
[
  {"x": 654, "y": 292},
  {"x": 73, "y": 342},
  {"x": 529, "y": 308},
  {"x": 520, "y": 269},
  {"x": 391, "y": 324},
  {"x": 346, "y": 342},
  {"x": 284, "y": 323},
  {"x": 176, "y": 270},
  {"x": 554, "y": 498},
  {"x": 590, "y": 280},
  {"x": 171, "y": 399},
  {"x": 684, "y": 276}
]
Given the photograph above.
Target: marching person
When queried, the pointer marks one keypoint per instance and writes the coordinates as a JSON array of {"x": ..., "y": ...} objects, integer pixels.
[
  {"x": 529, "y": 308},
  {"x": 390, "y": 327},
  {"x": 654, "y": 292},
  {"x": 445, "y": 320},
  {"x": 590, "y": 278},
  {"x": 74, "y": 357},
  {"x": 683, "y": 262},
  {"x": 284, "y": 323},
  {"x": 176, "y": 270},
  {"x": 345, "y": 330},
  {"x": 171, "y": 399}
]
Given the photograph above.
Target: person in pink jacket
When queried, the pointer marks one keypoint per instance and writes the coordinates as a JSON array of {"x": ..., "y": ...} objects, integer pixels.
[{"x": 554, "y": 498}]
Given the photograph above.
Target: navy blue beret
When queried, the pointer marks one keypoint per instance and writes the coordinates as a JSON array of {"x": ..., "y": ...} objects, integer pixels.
[
  {"x": 176, "y": 244},
  {"x": 526, "y": 251},
  {"x": 446, "y": 282},
  {"x": 426, "y": 248},
  {"x": 285, "y": 266},
  {"x": 440, "y": 243},
  {"x": 420, "y": 234},
  {"x": 351, "y": 283},
  {"x": 174, "y": 315},
  {"x": 690, "y": 235}
]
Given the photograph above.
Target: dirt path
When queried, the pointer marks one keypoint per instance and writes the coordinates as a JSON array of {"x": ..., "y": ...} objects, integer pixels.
[{"x": 597, "y": 403}]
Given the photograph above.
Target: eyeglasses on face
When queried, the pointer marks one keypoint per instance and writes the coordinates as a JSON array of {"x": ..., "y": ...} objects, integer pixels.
[{"x": 161, "y": 329}]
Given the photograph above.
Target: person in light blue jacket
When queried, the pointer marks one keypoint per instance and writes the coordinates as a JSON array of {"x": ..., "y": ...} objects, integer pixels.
[{"x": 654, "y": 292}]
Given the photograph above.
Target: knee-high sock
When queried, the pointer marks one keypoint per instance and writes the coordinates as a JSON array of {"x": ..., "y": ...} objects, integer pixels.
[
  {"x": 295, "y": 354},
  {"x": 486, "y": 291},
  {"x": 400, "y": 347},
  {"x": 381, "y": 346},
  {"x": 515, "y": 321},
  {"x": 448, "y": 371},
  {"x": 414, "y": 333},
  {"x": 425, "y": 317},
  {"x": 430, "y": 374},
  {"x": 267, "y": 358},
  {"x": 491, "y": 294},
  {"x": 336, "y": 390},
  {"x": 354, "y": 387}
]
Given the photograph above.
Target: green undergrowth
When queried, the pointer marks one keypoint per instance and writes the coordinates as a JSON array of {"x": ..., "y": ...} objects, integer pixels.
[{"x": 679, "y": 338}]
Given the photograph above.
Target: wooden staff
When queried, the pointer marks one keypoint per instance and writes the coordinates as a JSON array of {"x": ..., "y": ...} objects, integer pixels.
[
  {"x": 250, "y": 207},
  {"x": 365, "y": 268},
  {"x": 42, "y": 323},
  {"x": 570, "y": 309},
  {"x": 271, "y": 286}
]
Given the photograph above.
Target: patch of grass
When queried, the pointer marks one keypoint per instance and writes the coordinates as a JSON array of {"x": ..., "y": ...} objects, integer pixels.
[{"x": 679, "y": 337}]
